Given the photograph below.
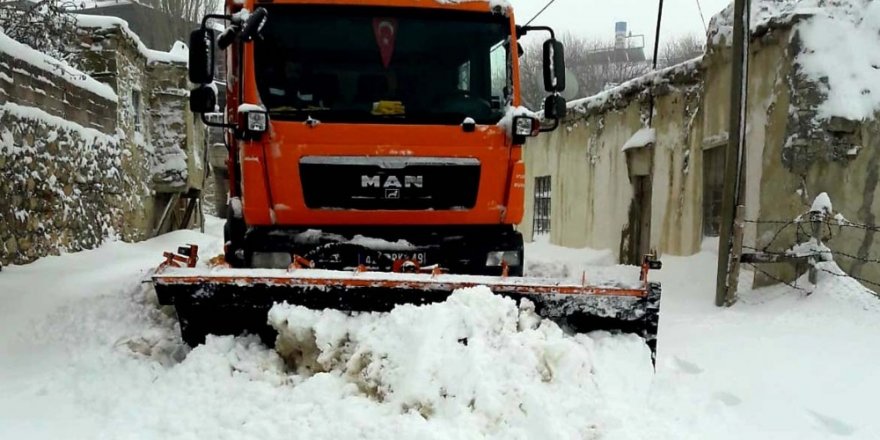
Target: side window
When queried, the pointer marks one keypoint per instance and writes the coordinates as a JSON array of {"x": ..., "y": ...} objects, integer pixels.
[
  {"x": 498, "y": 66},
  {"x": 464, "y": 76},
  {"x": 541, "y": 218},
  {"x": 136, "y": 109}
]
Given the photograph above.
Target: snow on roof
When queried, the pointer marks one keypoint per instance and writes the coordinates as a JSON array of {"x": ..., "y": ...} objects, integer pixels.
[
  {"x": 839, "y": 48},
  {"x": 55, "y": 67},
  {"x": 642, "y": 138},
  {"x": 177, "y": 55}
]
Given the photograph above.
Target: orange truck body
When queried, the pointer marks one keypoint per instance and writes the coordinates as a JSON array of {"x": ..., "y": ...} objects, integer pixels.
[{"x": 269, "y": 167}]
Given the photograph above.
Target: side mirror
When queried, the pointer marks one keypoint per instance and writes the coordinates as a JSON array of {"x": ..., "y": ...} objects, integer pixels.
[
  {"x": 555, "y": 107},
  {"x": 254, "y": 24},
  {"x": 554, "y": 66},
  {"x": 202, "y": 99},
  {"x": 201, "y": 56}
]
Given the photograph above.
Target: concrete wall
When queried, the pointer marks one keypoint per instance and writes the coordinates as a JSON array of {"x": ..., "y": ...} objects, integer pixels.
[
  {"x": 791, "y": 157},
  {"x": 592, "y": 177}
]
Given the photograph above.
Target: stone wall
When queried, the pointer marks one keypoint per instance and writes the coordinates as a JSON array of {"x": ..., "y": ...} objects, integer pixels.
[
  {"x": 167, "y": 142},
  {"x": 61, "y": 178},
  {"x": 791, "y": 156},
  {"x": 81, "y": 147}
]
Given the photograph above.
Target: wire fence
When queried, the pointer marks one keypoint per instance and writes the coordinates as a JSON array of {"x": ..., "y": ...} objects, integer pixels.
[{"x": 813, "y": 229}]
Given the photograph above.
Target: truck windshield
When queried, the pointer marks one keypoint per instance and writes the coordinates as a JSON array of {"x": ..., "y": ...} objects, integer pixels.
[{"x": 383, "y": 65}]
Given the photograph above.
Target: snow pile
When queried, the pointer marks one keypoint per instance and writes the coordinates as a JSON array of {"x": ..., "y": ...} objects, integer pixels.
[
  {"x": 839, "y": 40},
  {"x": 54, "y": 67},
  {"x": 177, "y": 55},
  {"x": 80, "y": 335},
  {"x": 476, "y": 361},
  {"x": 841, "y": 56}
]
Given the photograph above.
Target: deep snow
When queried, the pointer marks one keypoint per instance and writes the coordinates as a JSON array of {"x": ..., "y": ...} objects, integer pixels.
[{"x": 86, "y": 353}]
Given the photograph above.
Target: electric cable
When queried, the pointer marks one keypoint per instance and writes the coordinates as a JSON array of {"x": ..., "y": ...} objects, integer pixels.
[
  {"x": 540, "y": 12},
  {"x": 702, "y": 17}
]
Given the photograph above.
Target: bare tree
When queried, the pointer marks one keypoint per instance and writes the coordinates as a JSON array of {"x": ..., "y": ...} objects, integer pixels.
[
  {"x": 593, "y": 63},
  {"x": 597, "y": 65},
  {"x": 681, "y": 49},
  {"x": 190, "y": 10},
  {"x": 44, "y": 25}
]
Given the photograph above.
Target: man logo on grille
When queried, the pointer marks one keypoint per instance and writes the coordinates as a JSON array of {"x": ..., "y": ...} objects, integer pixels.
[
  {"x": 392, "y": 193},
  {"x": 392, "y": 182}
]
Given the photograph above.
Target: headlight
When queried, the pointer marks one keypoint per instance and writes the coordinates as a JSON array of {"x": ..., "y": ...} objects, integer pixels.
[
  {"x": 257, "y": 121},
  {"x": 253, "y": 121},
  {"x": 494, "y": 259},
  {"x": 525, "y": 126}
]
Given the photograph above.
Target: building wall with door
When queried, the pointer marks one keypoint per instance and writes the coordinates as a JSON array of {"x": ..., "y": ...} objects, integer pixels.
[
  {"x": 791, "y": 156},
  {"x": 604, "y": 197}
]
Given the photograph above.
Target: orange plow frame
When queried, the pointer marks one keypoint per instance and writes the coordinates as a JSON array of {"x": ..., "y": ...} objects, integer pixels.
[{"x": 217, "y": 299}]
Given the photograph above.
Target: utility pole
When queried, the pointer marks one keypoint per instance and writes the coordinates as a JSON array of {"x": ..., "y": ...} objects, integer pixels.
[{"x": 730, "y": 243}]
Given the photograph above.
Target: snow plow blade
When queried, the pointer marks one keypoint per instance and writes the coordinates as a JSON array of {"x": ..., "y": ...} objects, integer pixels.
[{"x": 232, "y": 301}]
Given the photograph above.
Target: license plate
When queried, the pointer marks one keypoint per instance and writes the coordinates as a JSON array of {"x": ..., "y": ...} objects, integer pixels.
[{"x": 420, "y": 257}]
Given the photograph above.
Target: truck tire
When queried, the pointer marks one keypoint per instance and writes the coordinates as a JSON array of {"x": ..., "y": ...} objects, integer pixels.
[
  {"x": 233, "y": 238},
  {"x": 221, "y": 207},
  {"x": 197, "y": 321}
]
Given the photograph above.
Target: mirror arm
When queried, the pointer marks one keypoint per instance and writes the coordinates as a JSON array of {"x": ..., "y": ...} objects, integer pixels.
[
  {"x": 215, "y": 124},
  {"x": 522, "y": 30},
  {"x": 551, "y": 128},
  {"x": 219, "y": 16}
]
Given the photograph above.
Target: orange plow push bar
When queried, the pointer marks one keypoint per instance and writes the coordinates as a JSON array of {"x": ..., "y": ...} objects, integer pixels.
[{"x": 576, "y": 307}]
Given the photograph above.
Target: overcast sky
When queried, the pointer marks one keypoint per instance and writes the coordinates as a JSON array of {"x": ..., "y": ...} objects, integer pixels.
[{"x": 596, "y": 18}]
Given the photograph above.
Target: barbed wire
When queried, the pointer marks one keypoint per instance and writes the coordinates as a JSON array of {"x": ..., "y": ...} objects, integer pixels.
[
  {"x": 861, "y": 280},
  {"x": 775, "y": 278},
  {"x": 830, "y": 251},
  {"x": 819, "y": 233},
  {"x": 831, "y": 222}
]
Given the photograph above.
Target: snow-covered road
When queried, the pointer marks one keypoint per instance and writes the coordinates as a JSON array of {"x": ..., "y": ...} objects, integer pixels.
[{"x": 86, "y": 353}]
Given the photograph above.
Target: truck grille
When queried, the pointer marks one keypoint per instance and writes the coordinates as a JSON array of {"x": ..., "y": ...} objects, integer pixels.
[{"x": 389, "y": 183}]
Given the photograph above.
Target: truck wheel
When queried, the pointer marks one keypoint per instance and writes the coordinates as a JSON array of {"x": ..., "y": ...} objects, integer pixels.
[
  {"x": 220, "y": 190},
  {"x": 233, "y": 237},
  {"x": 199, "y": 321},
  {"x": 192, "y": 326}
]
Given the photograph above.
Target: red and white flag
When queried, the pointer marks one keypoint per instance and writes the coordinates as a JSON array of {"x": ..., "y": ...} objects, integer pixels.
[{"x": 386, "y": 34}]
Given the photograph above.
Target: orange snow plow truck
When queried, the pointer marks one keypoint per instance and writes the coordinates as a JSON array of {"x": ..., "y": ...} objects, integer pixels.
[{"x": 375, "y": 159}]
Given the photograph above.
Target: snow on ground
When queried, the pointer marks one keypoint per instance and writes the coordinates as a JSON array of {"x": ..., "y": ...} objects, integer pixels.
[{"x": 86, "y": 353}]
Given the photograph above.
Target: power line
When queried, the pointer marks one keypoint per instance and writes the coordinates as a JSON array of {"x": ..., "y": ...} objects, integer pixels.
[
  {"x": 702, "y": 17},
  {"x": 657, "y": 35},
  {"x": 540, "y": 12}
]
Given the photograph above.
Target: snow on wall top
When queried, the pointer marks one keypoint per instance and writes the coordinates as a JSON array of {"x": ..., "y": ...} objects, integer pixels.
[
  {"x": 176, "y": 55},
  {"x": 55, "y": 67},
  {"x": 91, "y": 135},
  {"x": 839, "y": 52},
  {"x": 657, "y": 77}
]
